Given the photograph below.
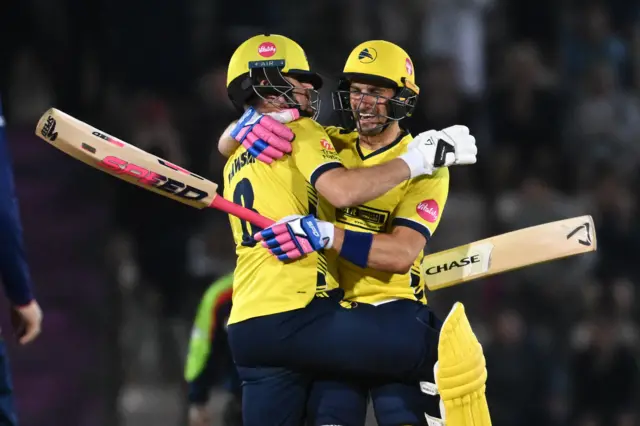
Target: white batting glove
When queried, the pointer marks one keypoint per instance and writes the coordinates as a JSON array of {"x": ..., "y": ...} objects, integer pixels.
[{"x": 433, "y": 149}]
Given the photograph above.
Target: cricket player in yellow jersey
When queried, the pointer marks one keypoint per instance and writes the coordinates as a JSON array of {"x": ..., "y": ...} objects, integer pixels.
[
  {"x": 287, "y": 322},
  {"x": 376, "y": 92},
  {"x": 272, "y": 71},
  {"x": 376, "y": 75}
]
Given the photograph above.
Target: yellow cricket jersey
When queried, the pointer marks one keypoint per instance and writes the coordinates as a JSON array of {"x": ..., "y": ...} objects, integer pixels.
[
  {"x": 263, "y": 285},
  {"x": 417, "y": 203}
]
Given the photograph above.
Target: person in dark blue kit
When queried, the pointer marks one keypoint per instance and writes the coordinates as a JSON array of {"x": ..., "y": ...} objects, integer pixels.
[{"x": 14, "y": 274}]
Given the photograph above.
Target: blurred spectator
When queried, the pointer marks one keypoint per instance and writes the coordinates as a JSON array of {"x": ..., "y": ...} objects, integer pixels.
[
  {"x": 442, "y": 103},
  {"x": 537, "y": 22},
  {"x": 30, "y": 93},
  {"x": 604, "y": 375},
  {"x": 457, "y": 29},
  {"x": 624, "y": 296},
  {"x": 158, "y": 229},
  {"x": 634, "y": 49},
  {"x": 382, "y": 19},
  {"x": 536, "y": 201},
  {"x": 525, "y": 114},
  {"x": 213, "y": 114},
  {"x": 605, "y": 125},
  {"x": 519, "y": 377},
  {"x": 543, "y": 287},
  {"x": 624, "y": 15},
  {"x": 592, "y": 40},
  {"x": 618, "y": 229}
]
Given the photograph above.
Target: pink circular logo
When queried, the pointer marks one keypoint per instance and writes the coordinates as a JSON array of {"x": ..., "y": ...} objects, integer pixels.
[
  {"x": 267, "y": 49},
  {"x": 428, "y": 210},
  {"x": 409, "y": 66}
]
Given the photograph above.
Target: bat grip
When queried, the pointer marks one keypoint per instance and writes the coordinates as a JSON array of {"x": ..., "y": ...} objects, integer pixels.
[{"x": 243, "y": 213}]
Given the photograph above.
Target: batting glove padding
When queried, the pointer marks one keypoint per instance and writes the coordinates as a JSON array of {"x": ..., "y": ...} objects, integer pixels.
[
  {"x": 433, "y": 149},
  {"x": 265, "y": 137},
  {"x": 296, "y": 236}
]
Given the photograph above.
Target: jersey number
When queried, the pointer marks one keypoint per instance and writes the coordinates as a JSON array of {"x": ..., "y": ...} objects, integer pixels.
[{"x": 243, "y": 195}]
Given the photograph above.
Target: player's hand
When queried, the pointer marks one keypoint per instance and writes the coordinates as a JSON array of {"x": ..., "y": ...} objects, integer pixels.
[
  {"x": 433, "y": 149},
  {"x": 27, "y": 322},
  {"x": 295, "y": 236},
  {"x": 265, "y": 137},
  {"x": 199, "y": 416}
]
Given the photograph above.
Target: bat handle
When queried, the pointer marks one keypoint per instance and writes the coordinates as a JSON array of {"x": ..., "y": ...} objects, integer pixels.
[{"x": 243, "y": 213}]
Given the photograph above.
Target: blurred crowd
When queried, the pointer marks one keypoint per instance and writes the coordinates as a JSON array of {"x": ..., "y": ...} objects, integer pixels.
[{"x": 550, "y": 88}]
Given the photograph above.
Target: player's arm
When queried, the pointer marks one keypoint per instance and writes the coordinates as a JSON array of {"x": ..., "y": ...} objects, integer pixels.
[
  {"x": 344, "y": 187},
  {"x": 264, "y": 136},
  {"x": 415, "y": 220},
  {"x": 319, "y": 162},
  {"x": 394, "y": 252},
  {"x": 14, "y": 269},
  {"x": 340, "y": 186},
  {"x": 426, "y": 155},
  {"x": 200, "y": 385},
  {"x": 261, "y": 136},
  {"x": 13, "y": 263},
  {"x": 316, "y": 158}
]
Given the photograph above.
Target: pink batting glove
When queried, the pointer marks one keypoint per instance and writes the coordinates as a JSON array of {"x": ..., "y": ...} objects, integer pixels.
[
  {"x": 295, "y": 236},
  {"x": 265, "y": 137}
]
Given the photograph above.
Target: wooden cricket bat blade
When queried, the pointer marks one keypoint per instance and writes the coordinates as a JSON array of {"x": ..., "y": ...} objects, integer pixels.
[
  {"x": 111, "y": 155},
  {"x": 510, "y": 251}
]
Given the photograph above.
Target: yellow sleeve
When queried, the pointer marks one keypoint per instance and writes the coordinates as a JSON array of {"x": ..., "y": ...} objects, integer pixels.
[
  {"x": 423, "y": 203},
  {"x": 312, "y": 151},
  {"x": 338, "y": 136}
]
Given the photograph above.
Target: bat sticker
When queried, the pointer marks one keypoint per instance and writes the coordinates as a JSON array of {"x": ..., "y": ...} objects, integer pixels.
[
  {"x": 150, "y": 178},
  {"x": 88, "y": 147},
  {"x": 586, "y": 242},
  {"x": 49, "y": 129}
]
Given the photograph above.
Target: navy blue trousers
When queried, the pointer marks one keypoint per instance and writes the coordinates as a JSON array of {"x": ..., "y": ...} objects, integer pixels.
[
  {"x": 8, "y": 415},
  {"x": 278, "y": 356}
]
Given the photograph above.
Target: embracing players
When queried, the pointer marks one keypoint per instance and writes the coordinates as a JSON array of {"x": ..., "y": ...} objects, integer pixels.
[{"x": 288, "y": 320}]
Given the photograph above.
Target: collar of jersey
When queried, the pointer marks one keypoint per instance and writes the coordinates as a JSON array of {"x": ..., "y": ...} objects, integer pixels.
[{"x": 401, "y": 136}]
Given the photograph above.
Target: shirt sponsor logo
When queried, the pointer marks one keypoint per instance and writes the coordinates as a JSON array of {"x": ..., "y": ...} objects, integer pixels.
[{"x": 428, "y": 210}]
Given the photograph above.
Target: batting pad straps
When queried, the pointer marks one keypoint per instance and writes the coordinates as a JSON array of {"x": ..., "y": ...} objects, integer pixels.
[{"x": 356, "y": 247}]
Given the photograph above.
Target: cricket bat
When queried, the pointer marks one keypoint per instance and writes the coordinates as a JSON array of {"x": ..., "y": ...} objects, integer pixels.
[
  {"x": 117, "y": 158},
  {"x": 506, "y": 252}
]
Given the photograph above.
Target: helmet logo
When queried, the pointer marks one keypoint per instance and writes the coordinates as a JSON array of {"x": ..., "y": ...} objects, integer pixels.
[
  {"x": 409, "y": 66},
  {"x": 367, "y": 55},
  {"x": 267, "y": 49}
]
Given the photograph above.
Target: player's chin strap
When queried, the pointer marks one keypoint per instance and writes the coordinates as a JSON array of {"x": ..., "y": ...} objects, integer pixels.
[{"x": 460, "y": 375}]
